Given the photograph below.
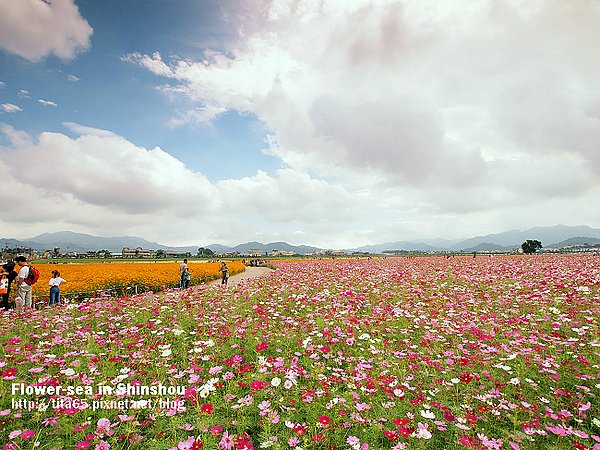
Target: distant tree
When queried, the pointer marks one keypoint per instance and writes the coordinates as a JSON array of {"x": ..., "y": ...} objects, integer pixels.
[
  {"x": 205, "y": 252},
  {"x": 11, "y": 253},
  {"x": 530, "y": 246},
  {"x": 104, "y": 254},
  {"x": 161, "y": 254}
]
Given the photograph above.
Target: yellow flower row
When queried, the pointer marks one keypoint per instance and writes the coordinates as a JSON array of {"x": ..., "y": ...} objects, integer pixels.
[{"x": 90, "y": 278}]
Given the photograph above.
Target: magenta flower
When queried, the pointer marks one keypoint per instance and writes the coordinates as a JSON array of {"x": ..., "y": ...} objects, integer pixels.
[{"x": 27, "y": 434}]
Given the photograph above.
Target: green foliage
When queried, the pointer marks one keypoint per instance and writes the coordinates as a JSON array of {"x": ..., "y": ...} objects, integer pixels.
[{"x": 530, "y": 246}]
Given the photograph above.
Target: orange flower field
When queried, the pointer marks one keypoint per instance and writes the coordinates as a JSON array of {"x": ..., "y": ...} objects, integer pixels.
[{"x": 94, "y": 278}]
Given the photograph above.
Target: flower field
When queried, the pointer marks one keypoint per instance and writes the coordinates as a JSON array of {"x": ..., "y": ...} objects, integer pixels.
[
  {"x": 420, "y": 353},
  {"x": 87, "y": 279}
]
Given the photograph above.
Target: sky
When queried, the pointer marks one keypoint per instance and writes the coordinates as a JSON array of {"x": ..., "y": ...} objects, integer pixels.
[{"x": 333, "y": 123}]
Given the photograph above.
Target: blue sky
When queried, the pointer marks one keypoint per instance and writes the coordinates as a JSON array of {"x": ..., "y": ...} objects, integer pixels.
[
  {"x": 330, "y": 123},
  {"x": 114, "y": 95}
]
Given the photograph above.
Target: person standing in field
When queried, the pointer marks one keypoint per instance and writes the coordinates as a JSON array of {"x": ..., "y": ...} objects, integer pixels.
[
  {"x": 224, "y": 273},
  {"x": 182, "y": 268},
  {"x": 24, "y": 290},
  {"x": 8, "y": 275},
  {"x": 54, "y": 283},
  {"x": 186, "y": 277}
]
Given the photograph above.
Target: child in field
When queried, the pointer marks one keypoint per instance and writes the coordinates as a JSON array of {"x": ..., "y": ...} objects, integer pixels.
[{"x": 54, "y": 283}]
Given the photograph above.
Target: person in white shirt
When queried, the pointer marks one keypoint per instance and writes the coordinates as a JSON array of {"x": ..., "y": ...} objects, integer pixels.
[
  {"x": 24, "y": 290},
  {"x": 54, "y": 283}
]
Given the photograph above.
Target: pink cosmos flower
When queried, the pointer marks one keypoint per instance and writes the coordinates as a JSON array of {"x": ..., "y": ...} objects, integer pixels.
[
  {"x": 423, "y": 431},
  {"x": 399, "y": 446},
  {"x": 226, "y": 442},
  {"x": 207, "y": 408},
  {"x": 324, "y": 420},
  {"x": 264, "y": 345},
  {"x": 353, "y": 441},
  {"x": 187, "y": 444},
  {"x": 257, "y": 385},
  {"x": 27, "y": 434},
  {"x": 50, "y": 421},
  {"x": 274, "y": 417},
  {"x": 82, "y": 445},
  {"x": 560, "y": 430},
  {"x": 14, "y": 434},
  {"x": 243, "y": 442},
  {"x": 215, "y": 370},
  {"x": 362, "y": 407}
]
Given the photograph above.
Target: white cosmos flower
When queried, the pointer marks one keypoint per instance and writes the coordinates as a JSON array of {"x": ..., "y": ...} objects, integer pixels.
[{"x": 428, "y": 414}]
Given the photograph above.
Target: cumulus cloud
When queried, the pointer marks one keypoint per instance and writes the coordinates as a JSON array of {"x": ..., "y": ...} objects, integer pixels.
[
  {"x": 392, "y": 120},
  {"x": 34, "y": 29},
  {"x": 278, "y": 199},
  {"x": 420, "y": 93},
  {"x": 100, "y": 181},
  {"x": 108, "y": 171}
]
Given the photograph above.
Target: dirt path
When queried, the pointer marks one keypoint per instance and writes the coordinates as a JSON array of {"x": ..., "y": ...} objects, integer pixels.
[{"x": 250, "y": 272}]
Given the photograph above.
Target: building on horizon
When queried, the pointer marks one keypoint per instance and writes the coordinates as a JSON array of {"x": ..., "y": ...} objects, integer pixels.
[{"x": 137, "y": 252}]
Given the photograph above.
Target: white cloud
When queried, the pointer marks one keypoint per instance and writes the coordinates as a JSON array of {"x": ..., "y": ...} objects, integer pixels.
[
  {"x": 23, "y": 93},
  {"x": 47, "y": 102},
  {"x": 393, "y": 120},
  {"x": 291, "y": 196},
  {"x": 457, "y": 106},
  {"x": 2, "y": 84},
  {"x": 10, "y": 108},
  {"x": 89, "y": 131},
  {"x": 153, "y": 63},
  {"x": 418, "y": 93},
  {"x": 101, "y": 182},
  {"x": 73, "y": 78},
  {"x": 109, "y": 171},
  {"x": 34, "y": 29},
  {"x": 204, "y": 116}
]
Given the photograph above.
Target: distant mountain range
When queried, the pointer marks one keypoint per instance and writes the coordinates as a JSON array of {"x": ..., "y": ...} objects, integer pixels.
[
  {"x": 551, "y": 237},
  {"x": 81, "y": 243}
]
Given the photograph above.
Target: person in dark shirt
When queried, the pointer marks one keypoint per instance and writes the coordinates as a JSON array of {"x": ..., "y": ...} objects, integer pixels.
[{"x": 8, "y": 271}]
